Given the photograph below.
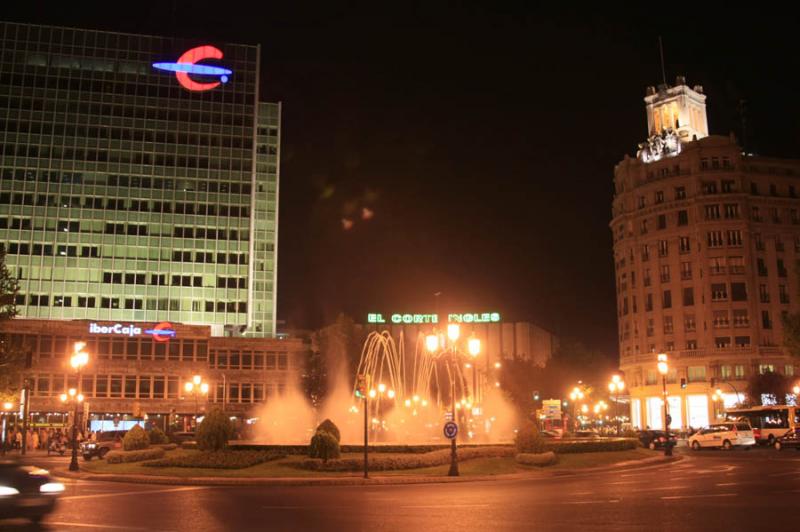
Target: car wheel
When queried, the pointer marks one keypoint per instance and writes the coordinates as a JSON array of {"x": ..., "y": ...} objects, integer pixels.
[
  {"x": 771, "y": 440},
  {"x": 87, "y": 457},
  {"x": 102, "y": 453},
  {"x": 37, "y": 518},
  {"x": 695, "y": 445},
  {"x": 778, "y": 445},
  {"x": 652, "y": 446},
  {"x": 727, "y": 445}
]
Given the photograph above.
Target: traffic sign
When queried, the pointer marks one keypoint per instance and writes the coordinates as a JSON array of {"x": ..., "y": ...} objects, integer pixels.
[{"x": 450, "y": 430}]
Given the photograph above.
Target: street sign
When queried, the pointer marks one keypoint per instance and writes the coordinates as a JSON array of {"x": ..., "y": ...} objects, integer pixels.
[
  {"x": 551, "y": 408},
  {"x": 450, "y": 430}
]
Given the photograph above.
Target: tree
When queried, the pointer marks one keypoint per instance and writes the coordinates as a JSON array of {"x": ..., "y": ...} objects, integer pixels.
[
  {"x": 791, "y": 333},
  {"x": 12, "y": 357},
  {"x": 214, "y": 431},
  {"x": 315, "y": 378},
  {"x": 771, "y": 384}
]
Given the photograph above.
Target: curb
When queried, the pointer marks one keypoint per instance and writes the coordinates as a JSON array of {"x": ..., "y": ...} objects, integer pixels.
[{"x": 353, "y": 480}]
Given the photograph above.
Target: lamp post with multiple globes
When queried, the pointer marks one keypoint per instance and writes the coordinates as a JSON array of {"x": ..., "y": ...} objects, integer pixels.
[
  {"x": 78, "y": 360},
  {"x": 437, "y": 347},
  {"x": 196, "y": 387},
  {"x": 616, "y": 386},
  {"x": 663, "y": 369}
]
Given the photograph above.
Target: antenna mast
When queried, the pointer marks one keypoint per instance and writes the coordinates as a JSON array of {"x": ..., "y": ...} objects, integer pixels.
[{"x": 661, "y": 52}]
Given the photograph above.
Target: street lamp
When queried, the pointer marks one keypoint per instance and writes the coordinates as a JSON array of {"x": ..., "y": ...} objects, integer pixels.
[
  {"x": 78, "y": 360},
  {"x": 7, "y": 407},
  {"x": 196, "y": 387},
  {"x": 575, "y": 395},
  {"x": 796, "y": 389},
  {"x": 474, "y": 349},
  {"x": 433, "y": 347},
  {"x": 663, "y": 368},
  {"x": 615, "y": 386}
]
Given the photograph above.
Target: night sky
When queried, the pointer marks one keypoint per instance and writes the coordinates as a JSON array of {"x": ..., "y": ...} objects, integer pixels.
[{"x": 481, "y": 141}]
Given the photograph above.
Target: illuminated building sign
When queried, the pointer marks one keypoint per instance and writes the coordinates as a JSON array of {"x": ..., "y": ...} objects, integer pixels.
[
  {"x": 188, "y": 64},
  {"x": 162, "y": 332},
  {"x": 484, "y": 317}
]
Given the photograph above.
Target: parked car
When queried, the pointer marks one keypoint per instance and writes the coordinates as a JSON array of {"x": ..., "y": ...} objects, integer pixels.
[
  {"x": 26, "y": 491},
  {"x": 106, "y": 441},
  {"x": 790, "y": 439},
  {"x": 724, "y": 435},
  {"x": 656, "y": 439}
]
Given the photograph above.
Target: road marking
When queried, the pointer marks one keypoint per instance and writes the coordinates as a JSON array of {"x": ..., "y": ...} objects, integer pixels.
[
  {"x": 676, "y": 497},
  {"x": 784, "y": 474},
  {"x": 443, "y": 506},
  {"x": 604, "y": 501},
  {"x": 139, "y": 492},
  {"x": 624, "y": 482},
  {"x": 727, "y": 484},
  {"x": 664, "y": 488},
  {"x": 105, "y": 527}
]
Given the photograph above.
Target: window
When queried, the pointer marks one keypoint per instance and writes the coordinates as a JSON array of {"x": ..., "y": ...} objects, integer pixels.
[
  {"x": 763, "y": 293},
  {"x": 659, "y": 196},
  {"x": 144, "y": 386},
  {"x": 712, "y": 212},
  {"x": 722, "y": 342},
  {"x": 667, "y": 299},
  {"x": 761, "y": 267},
  {"x": 735, "y": 238},
  {"x": 688, "y": 296},
  {"x": 738, "y": 292},
  {"x": 754, "y": 189},
  {"x": 766, "y": 368},
  {"x": 781, "y": 268},
  {"x": 689, "y": 324},
  {"x": 715, "y": 239},
  {"x": 758, "y": 241},
  {"x": 727, "y": 185},
  {"x": 643, "y": 227},
  {"x": 648, "y": 302},
  {"x": 668, "y": 326},
  {"x": 773, "y": 190},
  {"x": 663, "y": 248},
  {"x": 721, "y": 319},
  {"x": 719, "y": 292},
  {"x": 662, "y": 221},
  {"x": 641, "y": 202},
  {"x": 686, "y": 270},
  {"x": 738, "y": 371},
  {"x": 756, "y": 214},
  {"x": 684, "y": 244},
  {"x": 645, "y": 253},
  {"x": 680, "y": 193},
  {"x": 650, "y": 327},
  {"x": 646, "y": 277},
  {"x": 740, "y": 318},
  {"x": 766, "y": 322},
  {"x": 664, "y": 271},
  {"x": 742, "y": 341},
  {"x": 788, "y": 370},
  {"x": 783, "y": 294},
  {"x": 725, "y": 372},
  {"x": 731, "y": 211},
  {"x": 696, "y": 373},
  {"x": 716, "y": 265},
  {"x": 709, "y": 187},
  {"x": 683, "y": 218},
  {"x": 736, "y": 265}
]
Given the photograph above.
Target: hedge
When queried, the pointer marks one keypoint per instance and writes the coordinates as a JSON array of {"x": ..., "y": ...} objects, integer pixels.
[
  {"x": 373, "y": 448},
  {"x": 537, "y": 459},
  {"x": 124, "y": 457},
  {"x": 218, "y": 459},
  {"x": 591, "y": 446},
  {"x": 407, "y": 461},
  {"x": 135, "y": 439},
  {"x": 167, "y": 446}
]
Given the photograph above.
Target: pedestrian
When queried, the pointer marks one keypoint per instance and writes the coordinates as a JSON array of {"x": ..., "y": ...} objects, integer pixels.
[
  {"x": 35, "y": 440},
  {"x": 18, "y": 440},
  {"x": 45, "y": 440}
]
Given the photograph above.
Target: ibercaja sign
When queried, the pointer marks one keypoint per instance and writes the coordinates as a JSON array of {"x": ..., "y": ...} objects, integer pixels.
[{"x": 160, "y": 332}]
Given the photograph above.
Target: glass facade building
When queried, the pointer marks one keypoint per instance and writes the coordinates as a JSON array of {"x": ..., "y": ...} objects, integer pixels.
[{"x": 125, "y": 195}]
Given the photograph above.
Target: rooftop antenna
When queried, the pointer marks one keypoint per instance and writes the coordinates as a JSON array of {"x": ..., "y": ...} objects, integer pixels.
[{"x": 661, "y": 52}]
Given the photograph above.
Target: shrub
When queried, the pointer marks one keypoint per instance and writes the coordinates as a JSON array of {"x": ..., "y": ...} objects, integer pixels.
[
  {"x": 214, "y": 432},
  {"x": 218, "y": 459},
  {"x": 135, "y": 439},
  {"x": 591, "y": 446},
  {"x": 324, "y": 445},
  {"x": 167, "y": 446},
  {"x": 157, "y": 436},
  {"x": 384, "y": 462},
  {"x": 124, "y": 457},
  {"x": 331, "y": 428},
  {"x": 530, "y": 440},
  {"x": 189, "y": 445},
  {"x": 537, "y": 459}
]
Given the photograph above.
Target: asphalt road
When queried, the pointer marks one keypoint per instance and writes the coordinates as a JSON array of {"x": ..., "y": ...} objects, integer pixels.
[{"x": 709, "y": 490}]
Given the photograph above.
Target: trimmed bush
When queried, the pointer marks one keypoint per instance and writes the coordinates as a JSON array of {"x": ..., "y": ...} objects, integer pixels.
[
  {"x": 157, "y": 436},
  {"x": 218, "y": 459},
  {"x": 408, "y": 461},
  {"x": 135, "y": 439},
  {"x": 324, "y": 445},
  {"x": 214, "y": 432},
  {"x": 167, "y": 446},
  {"x": 537, "y": 459},
  {"x": 591, "y": 446},
  {"x": 124, "y": 457},
  {"x": 189, "y": 445},
  {"x": 530, "y": 440},
  {"x": 331, "y": 428}
]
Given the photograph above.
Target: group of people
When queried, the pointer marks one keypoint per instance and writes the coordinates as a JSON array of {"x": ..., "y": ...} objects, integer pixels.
[{"x": 41, "y": 439}]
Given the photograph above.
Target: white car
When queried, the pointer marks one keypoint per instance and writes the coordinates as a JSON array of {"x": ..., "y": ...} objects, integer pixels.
[{"x": 724, "y": 435}]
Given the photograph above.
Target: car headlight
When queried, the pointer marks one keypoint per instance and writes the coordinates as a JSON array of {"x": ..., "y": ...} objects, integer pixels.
[
  {"x": 6, "y": 491},
  {"x": 51, "y": 487}
]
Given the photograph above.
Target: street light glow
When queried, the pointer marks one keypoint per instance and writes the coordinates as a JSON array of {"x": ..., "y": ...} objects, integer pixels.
[
  {"x": 204, "y": 388},
  {"x": 453, "y": 331},
  {"x": 381, "y": 387},
  {"x": 474, "y": 346},
  {"x": 663, "y": 368},
  {"x": 432, "y": 343},
  {"x": 188, "y": 386},
  {"x": 197, "y": 380}
]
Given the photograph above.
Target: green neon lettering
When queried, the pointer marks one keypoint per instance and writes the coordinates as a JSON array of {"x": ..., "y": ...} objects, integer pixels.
[
  {"x": 495, "y": 316},
  {"x": 397, "y": 318}
]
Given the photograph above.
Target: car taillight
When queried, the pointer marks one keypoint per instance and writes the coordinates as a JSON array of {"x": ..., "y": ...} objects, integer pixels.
[{"x": 757, "y": 434}]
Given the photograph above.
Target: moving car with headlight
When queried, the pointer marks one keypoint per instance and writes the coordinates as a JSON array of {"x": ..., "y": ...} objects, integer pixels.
[
  {"x": 724, "y": 435},
  {"x": 788, "y": 440},
  {"x": 106, "y": 441},
  {"x": 26, "y": 491}
]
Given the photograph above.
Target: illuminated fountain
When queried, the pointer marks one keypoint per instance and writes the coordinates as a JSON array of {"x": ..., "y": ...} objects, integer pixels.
[{"x": 409, "y": 396}]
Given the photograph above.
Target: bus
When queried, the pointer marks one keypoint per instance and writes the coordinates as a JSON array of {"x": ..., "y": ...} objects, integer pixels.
[{"x": 768, "y": 422}]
